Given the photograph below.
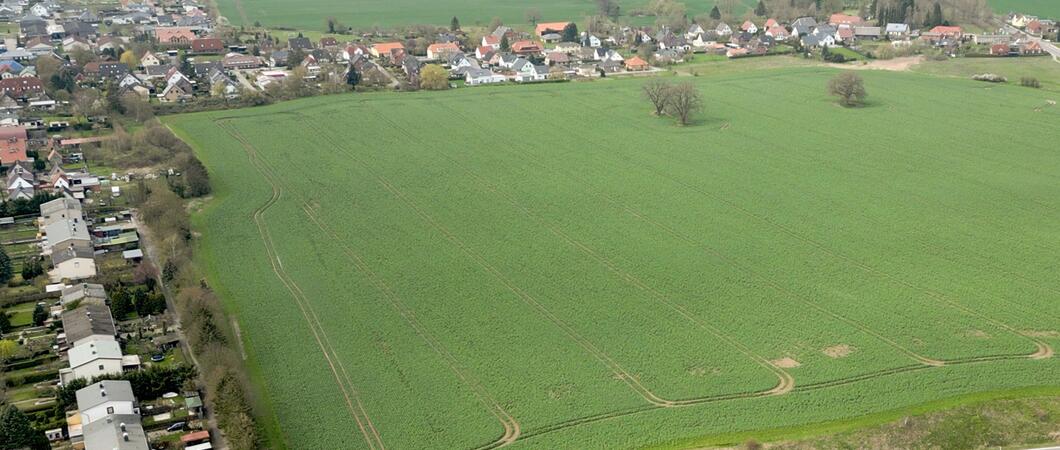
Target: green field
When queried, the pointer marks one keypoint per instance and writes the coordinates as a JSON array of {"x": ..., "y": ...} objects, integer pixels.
[
  {"x": 368, "y": 13},
  {"x": 1042, "y": 8},
  {"x": 553, "y": 267}
]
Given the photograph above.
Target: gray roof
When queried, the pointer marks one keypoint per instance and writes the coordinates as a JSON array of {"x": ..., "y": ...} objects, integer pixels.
[
  {"x": 479, "y": 73},
  {"x": 64, "y": 230},
  {"x": 866, "y": 31},
  {"x": 102, "y": 392},
  {"x": 808, "y": 22},
  {"x": 82, "y": 291},
  {"x": 825, "y": 30},
  {"x": 897, "y": 28},
  {"x": 59, "y": 206},
  {"x": 116, "y": 432},
  {"x": 87, "y": 320},
  {"x": 60, "y": 256}
]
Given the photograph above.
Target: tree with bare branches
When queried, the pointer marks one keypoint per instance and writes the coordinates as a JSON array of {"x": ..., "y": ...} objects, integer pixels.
[
  {"x": 657, "y": 92},
  {"x": 849, "y": 88},
  {"x": 684, "y": 100}
]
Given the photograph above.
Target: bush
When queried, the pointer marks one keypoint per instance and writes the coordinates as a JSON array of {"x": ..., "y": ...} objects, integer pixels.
[{"x": 1030, "y": 82}]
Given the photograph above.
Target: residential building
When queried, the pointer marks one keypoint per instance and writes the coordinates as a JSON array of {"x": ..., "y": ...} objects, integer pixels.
[
  {"x": 109, "y": 397},
  {"x": 12, "y": 144}
]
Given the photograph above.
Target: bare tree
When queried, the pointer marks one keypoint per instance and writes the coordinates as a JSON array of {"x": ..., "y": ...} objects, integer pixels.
[
  {"x": 658, "y": 93},
  {"x": 684, "y": 101},
  {"x": 849, "y": 88}
]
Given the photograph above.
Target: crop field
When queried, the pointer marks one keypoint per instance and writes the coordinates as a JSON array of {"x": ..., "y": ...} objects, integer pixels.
[
  {"x": 367, "y": 13},
  {"x": 553, "y": 267},
  {"x": 1043, "y": 8}
]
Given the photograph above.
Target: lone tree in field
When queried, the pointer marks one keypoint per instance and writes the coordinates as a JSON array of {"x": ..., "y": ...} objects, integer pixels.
[
  {"x": 658, "y": 93},
  {"x": 454, "y": 24},
  {"x": 684, "y": 101},
  {"x": 849, "y": 88},
  {"x": 715, "y": 13},
  {"x": 434, "y": 78}
]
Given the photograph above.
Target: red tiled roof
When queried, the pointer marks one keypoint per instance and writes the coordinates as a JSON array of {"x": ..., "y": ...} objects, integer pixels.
[
  {"x": 947, "y": 31},
  {"x": 12, "y": 144},
  {"x": 385, "y": 47},
  {"x": 544, "y": 28},
  {"x": 196, "y": 436}
]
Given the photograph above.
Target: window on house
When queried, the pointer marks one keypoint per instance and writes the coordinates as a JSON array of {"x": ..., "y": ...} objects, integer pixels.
[
  {"x": 101, "y": 367},
  {"x": 110, "y": 410}
]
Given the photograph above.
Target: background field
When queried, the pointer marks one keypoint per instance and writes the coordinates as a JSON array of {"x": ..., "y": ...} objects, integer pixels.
[
  {"x": 1043, "y": 8},
  {"x": 551, "y": 266},
  {"x": 367, "y": 13}
]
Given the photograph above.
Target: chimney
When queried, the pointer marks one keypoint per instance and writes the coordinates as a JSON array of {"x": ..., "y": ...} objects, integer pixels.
[
  {"x": 122, "y": 426},
  {"x": 125, "y": 437}
]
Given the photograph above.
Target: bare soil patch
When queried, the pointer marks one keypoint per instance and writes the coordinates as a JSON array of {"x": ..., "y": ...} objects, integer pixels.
[
  {"x": 786, "y": 363},
  {"x": 895, "y": 65},
  {"x": 838, "y": 351}
]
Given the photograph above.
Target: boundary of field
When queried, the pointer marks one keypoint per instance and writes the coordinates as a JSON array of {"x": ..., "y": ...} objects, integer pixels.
[
  {"x": 851, "y": 423},
  {"x": 360, "y": 415},
  {"x": 830, "y": 427},
  {"x": 616, "y": 414}
]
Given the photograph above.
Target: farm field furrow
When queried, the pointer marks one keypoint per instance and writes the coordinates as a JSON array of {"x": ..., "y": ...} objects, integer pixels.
[
  {"x": 929, "y": 309},
  {"x": 553, "y": 267},
  {"x": 563, "y": 382}
]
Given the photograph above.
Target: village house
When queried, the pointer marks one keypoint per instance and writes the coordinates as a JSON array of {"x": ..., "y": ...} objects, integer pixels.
[
  {"x": 749, "y": 27},
  {"x": 526, "y": 48},
  {"x": 526, "y": 71},
  {"x": 237, "y": 61},
  {"x": 868, "y": 33},
  {"x": 550, "y": 28},
  {"x": 383, "y": 49},
  {"x": 207, "y": 46},
  {"x": 299, "y": 43},
  {"x": 844, "y": 21},
  {"x": 175, "y": 37},
  {"x": 21, "y": 87},
  {"x": 947, "y": 32},
  {"x": 92, "y": 359},
  {"x": 475, "y": 77},
  {"x": 897, "y": 31},
  {"x": 99, "y": 400},
  {"x": 440, "y": 51},
  {"x": 803, "y": 26},
  {"x": 12, "y": 145},
  {"x": 637, "y": 64}
]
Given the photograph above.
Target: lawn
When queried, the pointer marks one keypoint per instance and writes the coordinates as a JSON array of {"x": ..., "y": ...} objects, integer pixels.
[
  {"x": 1043, "y": 8},
  {"x": 552, "y": 266},
  {"x": 367, "y": 13},
  {"x": 1043, "y": 68}
]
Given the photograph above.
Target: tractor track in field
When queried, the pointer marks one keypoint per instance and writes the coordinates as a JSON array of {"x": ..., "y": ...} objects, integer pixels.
[
  {"x": 510, "y": 425},
  {"x": 524, "y": 296},
  {"x": 653, "y": 406},
  {"x": 360, "y": 415},
  {"x": 1043, "y": 350},
  {"x": 785, "y": 380},
  {"x": 738, "y": 266}
]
